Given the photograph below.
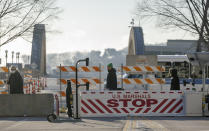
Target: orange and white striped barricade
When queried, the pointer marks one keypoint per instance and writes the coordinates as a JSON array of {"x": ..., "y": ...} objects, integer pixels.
[
  {"x": 134, "y": 103},
  {"x": 141, "y": 69},
  {"x": 85, "y": 69},
  {"x": 27, "y": 76},
  {"x": 91, "y": 81},
  {"x": 28, "y": 72},
  {"x": 4, "y": 69},
  {"x": 30, "y": 85},
  {"x": 27, "y": 91},
  {"x": 29, "y": 80},
  {"x": 80, "y": 69},
  {"x": 137, "y": 81},
  {"x": 2, "y": 82},
  {"x": 4, "y": 92},
  {"x": 25, "y": 88}
]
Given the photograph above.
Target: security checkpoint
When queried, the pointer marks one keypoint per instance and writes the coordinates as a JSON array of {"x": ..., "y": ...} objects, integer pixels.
[{"x": 133, "y": 102}]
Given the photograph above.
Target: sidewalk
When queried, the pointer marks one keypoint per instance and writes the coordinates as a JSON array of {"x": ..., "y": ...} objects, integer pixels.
[
  {"x": 64, "y": 124},
  {"x": 106, "y": 124}
]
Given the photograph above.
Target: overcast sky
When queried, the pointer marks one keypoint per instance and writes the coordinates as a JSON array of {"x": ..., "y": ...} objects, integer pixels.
[{"x": 94, "y": 25}]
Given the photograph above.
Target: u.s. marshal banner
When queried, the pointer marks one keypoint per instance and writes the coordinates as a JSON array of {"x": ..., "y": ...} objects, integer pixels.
[{"x": 131, "y": 103}]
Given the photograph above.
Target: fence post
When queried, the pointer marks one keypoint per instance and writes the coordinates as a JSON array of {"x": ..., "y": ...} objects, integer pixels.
[
  {"x": 100, "y": 77},
  {"x": 76, "y": 83},
  {"x": 121, "y": 76},
  {"x": 161, "y": 72},
  {"x": 60, "y": 86}
]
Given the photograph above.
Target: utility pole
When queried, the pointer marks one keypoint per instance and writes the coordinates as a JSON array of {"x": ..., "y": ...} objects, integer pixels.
[
  {"x": 6, "y": 55},
  {"x": 17, "y": 57},
  {"x": 12, "y": 56}
]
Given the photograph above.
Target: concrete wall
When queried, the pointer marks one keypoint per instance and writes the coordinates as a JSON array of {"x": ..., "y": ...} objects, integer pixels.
[
  {"x": 133, "y": 60},
  {"x": 26, "y": 105}
]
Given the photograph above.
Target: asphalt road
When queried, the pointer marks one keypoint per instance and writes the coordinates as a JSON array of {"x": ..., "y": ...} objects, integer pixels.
[
  {"x": 107, "y": 124},
  {"x": 167, "y": 124}
]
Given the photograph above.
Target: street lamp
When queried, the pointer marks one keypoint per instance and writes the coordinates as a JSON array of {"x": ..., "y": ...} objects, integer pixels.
[
  {"x": 12, "y": 56},
  {"x": 17, "y": 57},
  {"x": 6, "y": 52},
  {"x": 76, "y": 82}
]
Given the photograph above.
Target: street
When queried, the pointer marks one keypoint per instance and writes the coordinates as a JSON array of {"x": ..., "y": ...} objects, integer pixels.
[{"x": 107, "y": 124}]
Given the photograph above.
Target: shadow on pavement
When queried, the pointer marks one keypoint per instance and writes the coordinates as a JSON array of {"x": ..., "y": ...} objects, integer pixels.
[
  {"x": 23, "y": 119},
  {"x": 179, "y": 118},
  {"x": 104, "y": 119}
]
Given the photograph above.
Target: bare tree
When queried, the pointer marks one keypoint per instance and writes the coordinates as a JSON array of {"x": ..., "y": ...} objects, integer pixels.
[
  {"x": 188, "y": 15},
  {"x": 18, "y": 17}
]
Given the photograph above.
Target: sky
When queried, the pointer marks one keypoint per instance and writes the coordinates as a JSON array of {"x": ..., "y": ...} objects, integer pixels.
[{"x": 86, "y": 25}]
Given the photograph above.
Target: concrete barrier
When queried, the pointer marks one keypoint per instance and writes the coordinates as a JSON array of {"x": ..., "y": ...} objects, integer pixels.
[
  {"x": 193, "y": 103},
  {"x": 16, "y": 105},
  {"x": 131, "y": 103}
]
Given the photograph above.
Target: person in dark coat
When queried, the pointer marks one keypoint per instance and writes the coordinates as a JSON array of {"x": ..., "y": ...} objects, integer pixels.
[
  {"x": 175, "y": 85},
  {"x": 111, "y": 77},
  {"x": 69, "y": 98},
  {"x": 15, "y": 81}
]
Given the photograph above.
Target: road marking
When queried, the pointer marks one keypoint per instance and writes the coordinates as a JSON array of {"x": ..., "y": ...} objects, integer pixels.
[
  {"x": 125, "y": 128},
  {"x": 153, "y": 125},
  {"x": 130, "y": 124},
  {"x": 134, "y": 123}
]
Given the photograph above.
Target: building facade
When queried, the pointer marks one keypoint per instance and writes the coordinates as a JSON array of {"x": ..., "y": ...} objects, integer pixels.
[
  {"x": 38, "y": 54},
  {"x": 136, "y": 41},
  {"x": 172, "y": 47}
]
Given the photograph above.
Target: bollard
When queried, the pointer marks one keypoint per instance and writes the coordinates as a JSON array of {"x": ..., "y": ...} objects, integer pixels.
[
  {"x": 57, "y": 105},
  {"x": 38, "y": 90},
  {"x": 207, "y": 100},
  {"x": 29, "y": 88},
  {"x": 45, "y": 83},
  {"x": 34, "y": 88}
]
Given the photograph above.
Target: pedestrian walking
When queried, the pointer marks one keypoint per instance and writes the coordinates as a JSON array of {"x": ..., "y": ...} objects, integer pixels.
[
  {"x": 175, "y": 85},
  {"x": 15, "y": 82},
  {"x": 111, "y": 77}
]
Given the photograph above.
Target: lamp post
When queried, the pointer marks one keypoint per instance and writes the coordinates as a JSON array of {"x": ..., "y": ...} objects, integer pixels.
[
  {"x": 12, "y": 56},
  {"x": 17, "y": 57},
  {"x": 28, "y": 59},
  {"x": 76, "y": 82},
  {"x": 6, "y": 55}
]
